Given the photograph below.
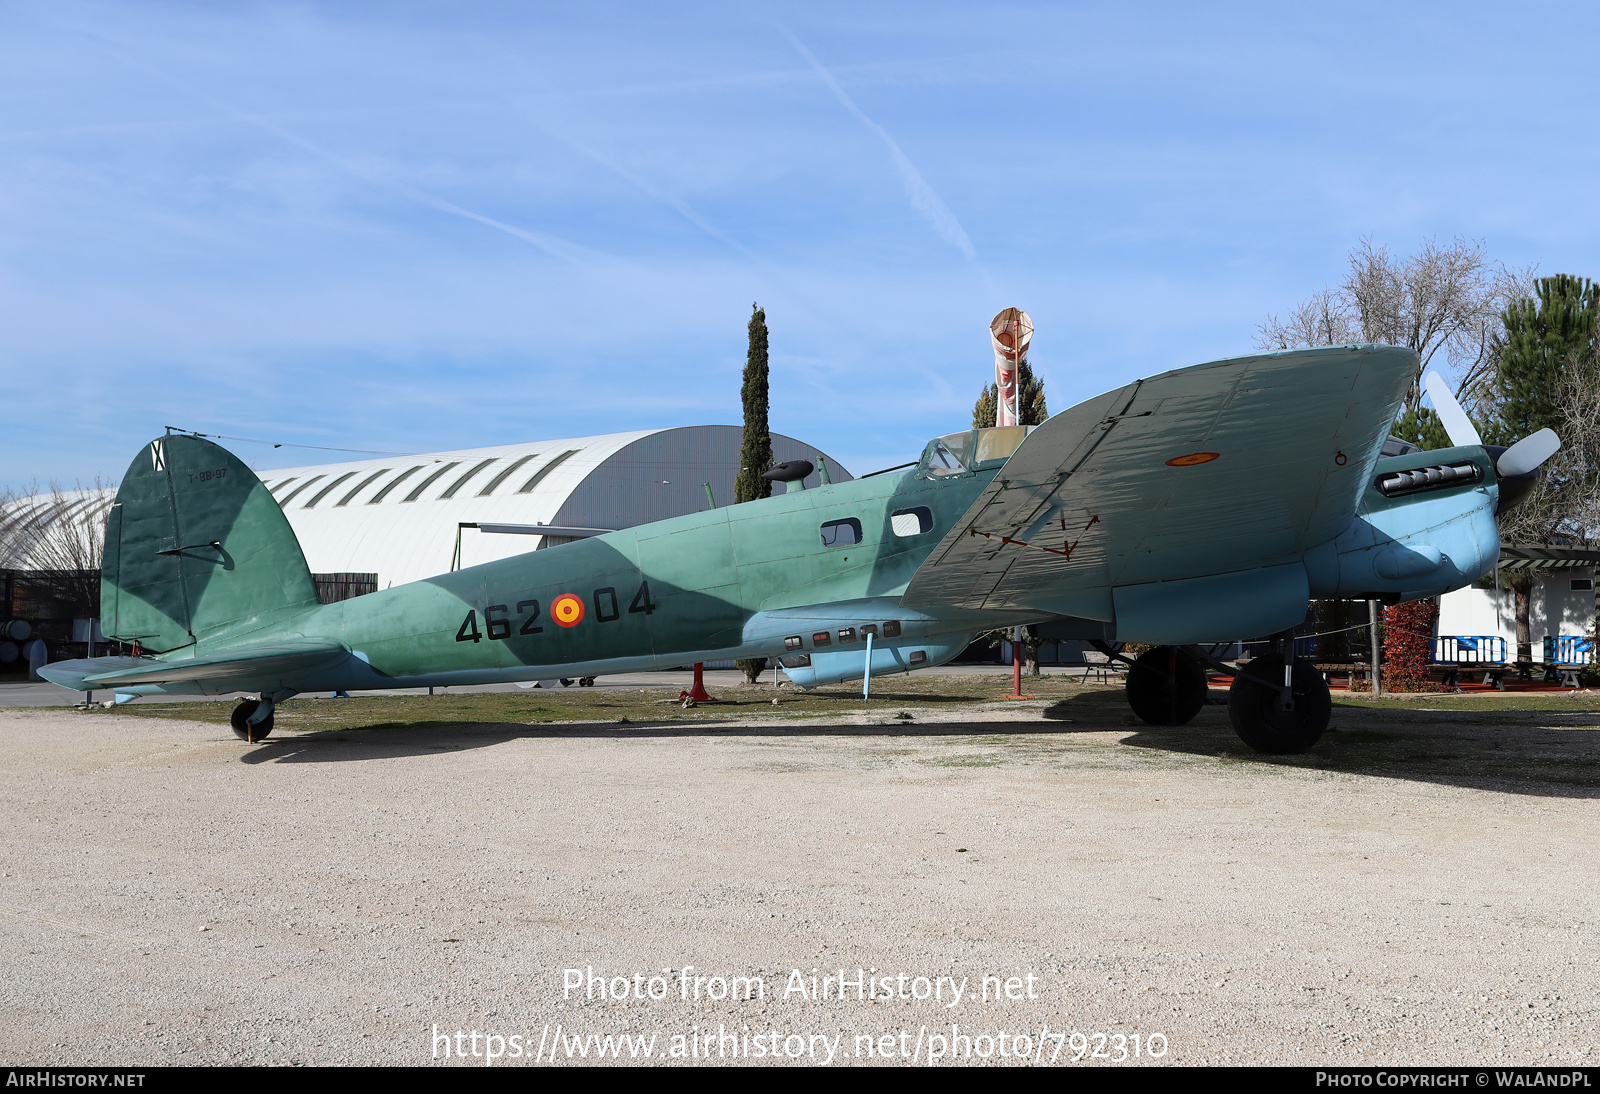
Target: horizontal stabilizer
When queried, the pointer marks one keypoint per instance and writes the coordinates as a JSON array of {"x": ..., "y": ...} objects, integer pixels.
[
  {"x": 74, "y": 674},
  {"x": 244, "y": 670}
]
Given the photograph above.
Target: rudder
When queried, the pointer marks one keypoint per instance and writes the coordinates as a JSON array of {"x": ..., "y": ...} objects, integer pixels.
[{"x": 197, "y": 549}]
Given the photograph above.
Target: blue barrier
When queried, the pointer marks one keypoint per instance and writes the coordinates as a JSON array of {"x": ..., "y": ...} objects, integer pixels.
[{"x": 1461, "y": 649}]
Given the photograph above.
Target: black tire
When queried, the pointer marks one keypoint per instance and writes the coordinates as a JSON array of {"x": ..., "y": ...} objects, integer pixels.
[
  {"x": 586, "y": 682},
  {"x": 240, "y": 721},
  {"x": 1257, "y": 717},
  {"x": 1166, "y": 687}
]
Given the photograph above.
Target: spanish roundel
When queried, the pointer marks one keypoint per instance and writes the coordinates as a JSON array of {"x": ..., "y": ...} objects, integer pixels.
[{"x": 567, "y": 610}]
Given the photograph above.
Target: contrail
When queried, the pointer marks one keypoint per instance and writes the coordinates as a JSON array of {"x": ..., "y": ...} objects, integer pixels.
[
  {"x": 927, "y": 203},
  {"x": 553, "y": 246}
]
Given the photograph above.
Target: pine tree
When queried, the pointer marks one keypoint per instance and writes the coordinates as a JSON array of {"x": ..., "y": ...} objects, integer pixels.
[
  {"x": 1422, "y": 428},
  {"x": 1030, "y": 400},
  {"x": 755, "y": 457},
  {"x": 1540, "y": 337}
]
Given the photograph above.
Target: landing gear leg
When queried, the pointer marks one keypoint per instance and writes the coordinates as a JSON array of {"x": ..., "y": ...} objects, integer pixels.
[
  {"x": 1267, "y": 719},
  {"x": 252, "y": 720},
  {"x": 1166, "y": 687}
]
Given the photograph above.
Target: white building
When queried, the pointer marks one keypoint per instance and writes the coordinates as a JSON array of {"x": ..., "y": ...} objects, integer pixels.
[{"x": 1561, "y": 603}]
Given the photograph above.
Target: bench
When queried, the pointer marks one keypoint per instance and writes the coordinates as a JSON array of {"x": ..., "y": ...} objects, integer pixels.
[{"x": 1099, "y": 665}]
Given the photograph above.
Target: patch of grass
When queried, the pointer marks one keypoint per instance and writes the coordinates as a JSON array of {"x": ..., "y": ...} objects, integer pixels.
[{"x": 623, "y": 705}]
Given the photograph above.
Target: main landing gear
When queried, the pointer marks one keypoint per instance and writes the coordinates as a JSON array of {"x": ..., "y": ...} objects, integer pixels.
[
  {"x": 250, "y": 721},
  {"x": 1272, "y": 711},
  {"x": 1166, "y": 686},
  {"x": 1275, "y": 712}
]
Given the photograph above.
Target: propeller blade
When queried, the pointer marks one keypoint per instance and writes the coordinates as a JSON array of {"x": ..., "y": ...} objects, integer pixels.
[
  {"x": 1451, "y": 416},
  {"x": 1527, "y": 454}
]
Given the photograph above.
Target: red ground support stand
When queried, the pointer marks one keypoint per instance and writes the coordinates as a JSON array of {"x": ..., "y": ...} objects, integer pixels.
[
  {"x": 1016, "y": 670},
  {"x": 698, "y": 692}
]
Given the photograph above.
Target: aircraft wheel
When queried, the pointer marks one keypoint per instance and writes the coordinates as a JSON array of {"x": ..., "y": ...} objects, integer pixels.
[
  {"x": 1258, "y": 717},
  {"x": 586, "y": 682},
  {"x": 1168, "y": 688},
  {"x": 242, "y": 728}
]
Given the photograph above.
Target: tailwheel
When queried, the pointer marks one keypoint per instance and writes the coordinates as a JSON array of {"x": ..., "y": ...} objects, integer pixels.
[
  {"x": 240, "y": 721},
  {"x": 1166, "y": 687},
  {"x": 1255, "y": 706}
]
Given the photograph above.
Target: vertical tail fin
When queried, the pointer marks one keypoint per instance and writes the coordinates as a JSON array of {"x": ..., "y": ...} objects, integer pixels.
[{"x": 196, "y": 549}]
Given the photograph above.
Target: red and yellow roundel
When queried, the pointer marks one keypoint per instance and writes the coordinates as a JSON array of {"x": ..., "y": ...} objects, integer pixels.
[
  {"x": 567, "y": 610},
  {"x": 1193, "y": 458}
]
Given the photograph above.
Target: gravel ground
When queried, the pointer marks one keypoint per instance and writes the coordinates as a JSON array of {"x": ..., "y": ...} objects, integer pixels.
[{"x": 1421, "y": 889}]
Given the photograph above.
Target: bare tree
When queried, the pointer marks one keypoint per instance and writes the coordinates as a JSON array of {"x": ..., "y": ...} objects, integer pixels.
[
  {"x": 58, "y": 537},
  {"x": 1442, "y": 298},
  {"x": 1565, "y": 505}
]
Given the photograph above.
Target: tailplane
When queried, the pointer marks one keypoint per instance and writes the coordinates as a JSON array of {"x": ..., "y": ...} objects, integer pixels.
[{"x": 197, "y": 550}]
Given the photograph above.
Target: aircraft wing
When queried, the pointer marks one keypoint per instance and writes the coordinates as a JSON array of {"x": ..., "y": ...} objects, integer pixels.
[{"x": 1216, "y": 468}]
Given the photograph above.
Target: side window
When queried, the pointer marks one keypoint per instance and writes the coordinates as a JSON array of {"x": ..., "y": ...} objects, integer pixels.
[
  {"x": 841, "y": 533},
  {"x": 911, "y": 522}
]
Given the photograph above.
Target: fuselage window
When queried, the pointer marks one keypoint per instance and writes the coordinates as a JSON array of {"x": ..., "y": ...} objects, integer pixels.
[
  {"x": 891, "y": 628},
  {"x": 793, "y": 642},
  {"x": 822, "y": 638},
  {"x": 841, "y": 533},
  {"x": 869, "y": 629},
  {"x": 848, "y": 634},
  {"x": 911, "y": 522}
]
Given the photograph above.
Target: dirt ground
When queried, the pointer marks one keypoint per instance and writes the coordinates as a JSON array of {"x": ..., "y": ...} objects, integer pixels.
[{"x": 1420, "y": 888}]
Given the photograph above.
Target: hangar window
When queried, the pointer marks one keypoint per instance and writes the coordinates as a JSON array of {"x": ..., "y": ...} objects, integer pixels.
[
  {"x": 396, "y": 481},
  {"x": 538, "y": 476},
  {"x": 326, "y": 490},
  {"x": 430, "y": 480},
  {"x": 462, "y": 481},
  {"x": 841, "y": 533},
  {"x": 290, "y": 496},
  {"x": 366, "y": 482},
  {"x": 281, "y": 485},
  {"x": 504, "y": 475},
  {"x": 911, "y": 522},
  {"x": 1582, "y": 584}
]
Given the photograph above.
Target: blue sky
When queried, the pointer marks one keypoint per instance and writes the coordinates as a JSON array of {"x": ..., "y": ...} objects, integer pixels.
[{"x": 396, "y": 227}]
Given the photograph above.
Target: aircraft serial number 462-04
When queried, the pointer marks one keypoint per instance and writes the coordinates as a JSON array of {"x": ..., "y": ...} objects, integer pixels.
[{"x": 1203, "y": 505}]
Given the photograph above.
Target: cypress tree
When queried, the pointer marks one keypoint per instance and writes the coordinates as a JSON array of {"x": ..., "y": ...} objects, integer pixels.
[
  {"x": 1541, "y": 335},
  {"x": 755, "y": 458}
]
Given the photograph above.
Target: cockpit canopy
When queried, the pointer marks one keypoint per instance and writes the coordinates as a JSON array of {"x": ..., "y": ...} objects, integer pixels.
[{"x": 972, "y": 449}]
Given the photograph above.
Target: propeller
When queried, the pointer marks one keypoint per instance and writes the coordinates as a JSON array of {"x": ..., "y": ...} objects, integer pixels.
[
  {"x": 1454, "y": 419},
  {"x": 1527, "y": 454},
  {"x": 1522, "y": 458}
]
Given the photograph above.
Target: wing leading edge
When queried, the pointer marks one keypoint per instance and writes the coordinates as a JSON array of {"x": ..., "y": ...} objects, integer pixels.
[{"x": 1235, "y": 465}]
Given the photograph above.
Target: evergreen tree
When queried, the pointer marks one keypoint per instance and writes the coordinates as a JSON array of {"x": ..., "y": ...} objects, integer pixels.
[
  {"x": 1422, "y": 428},
  {"x": 1540, "y": 337},
  {"x": 1030, "y": 400},
  {"x": 755, "y": 458}
]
